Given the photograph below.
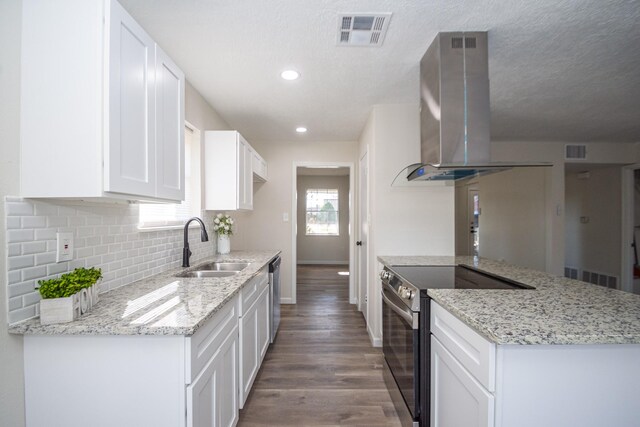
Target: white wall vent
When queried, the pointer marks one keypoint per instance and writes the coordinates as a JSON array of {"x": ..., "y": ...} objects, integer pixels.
[
  {"x": 575, "y": 152},
  {"x": 362, "y": 29}
]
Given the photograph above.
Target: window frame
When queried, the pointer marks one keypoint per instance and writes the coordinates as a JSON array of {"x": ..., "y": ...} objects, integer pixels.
[
  {"x": 337, "y": 211},
  {"x": 193, "y": 185}
]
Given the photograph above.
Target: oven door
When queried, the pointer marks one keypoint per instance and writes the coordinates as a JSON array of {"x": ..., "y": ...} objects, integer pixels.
[{"x": 400, "y": 344}]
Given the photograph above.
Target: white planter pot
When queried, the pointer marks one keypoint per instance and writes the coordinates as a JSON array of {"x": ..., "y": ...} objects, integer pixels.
[
  {"x": 64, "y": 310},
  {"x": 224, "y": 244},
  {"x": 59, "y": 310}
]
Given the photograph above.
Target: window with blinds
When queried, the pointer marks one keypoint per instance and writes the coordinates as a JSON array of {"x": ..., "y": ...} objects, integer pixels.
[
  {"x": 154, "y": 215},
  {"x": 322, "y": 212}
]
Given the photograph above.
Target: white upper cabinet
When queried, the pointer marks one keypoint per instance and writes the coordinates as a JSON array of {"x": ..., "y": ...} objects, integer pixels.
[
  {"x": 102, "y": 107},
  {"x": 259, "y": 168},
  {"x": 228, "y": 171}
]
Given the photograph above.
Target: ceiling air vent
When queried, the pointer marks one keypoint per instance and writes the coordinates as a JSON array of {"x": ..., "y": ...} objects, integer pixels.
[
  {"x": 469, "y": 42},
  {"x": 362, "y": 29},
  {"x": 575, "y": 152}
]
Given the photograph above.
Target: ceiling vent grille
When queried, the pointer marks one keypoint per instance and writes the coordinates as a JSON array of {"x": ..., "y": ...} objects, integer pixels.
[
  {"x": 575, "y": 152},
  {"x": 362, "y": 29},
  {"x": 469, "y": 42}
]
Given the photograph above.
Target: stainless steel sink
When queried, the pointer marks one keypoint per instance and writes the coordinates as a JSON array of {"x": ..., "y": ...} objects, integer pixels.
[
  {"x": 215, "y": 269},
  {"x": 207, "y": 273},
  {"x": 223, "y": 266}
]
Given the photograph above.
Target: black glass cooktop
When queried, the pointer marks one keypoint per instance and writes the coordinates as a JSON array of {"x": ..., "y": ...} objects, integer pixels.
[{"x": 450, "y": 277}]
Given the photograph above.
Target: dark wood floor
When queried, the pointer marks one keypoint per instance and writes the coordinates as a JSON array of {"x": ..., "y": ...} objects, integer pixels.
[{"x": 322, "y": 369}]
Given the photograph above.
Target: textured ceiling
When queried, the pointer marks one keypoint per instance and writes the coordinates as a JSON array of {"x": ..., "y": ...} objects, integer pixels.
[{"x": 561, "y": 70}]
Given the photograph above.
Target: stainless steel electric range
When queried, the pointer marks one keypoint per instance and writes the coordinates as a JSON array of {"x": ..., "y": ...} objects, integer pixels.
[{"x": 405, "y": 328}]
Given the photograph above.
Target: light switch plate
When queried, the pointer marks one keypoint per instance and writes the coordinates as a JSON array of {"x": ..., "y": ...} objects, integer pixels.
[
  {"x": 64, "y": 247},
  {"x": 285, "y": 217}
]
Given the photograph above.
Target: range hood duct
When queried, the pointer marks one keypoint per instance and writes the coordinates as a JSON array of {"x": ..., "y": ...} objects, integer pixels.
[{"x": 455, "y": 111}]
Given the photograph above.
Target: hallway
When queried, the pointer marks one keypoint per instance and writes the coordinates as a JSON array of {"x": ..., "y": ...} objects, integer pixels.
[{"x": 322, "y": 369}]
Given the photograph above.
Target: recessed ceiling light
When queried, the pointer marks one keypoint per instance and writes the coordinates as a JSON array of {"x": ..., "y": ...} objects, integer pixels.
[
  {"x": 290, "y": 74},
  {"x": 301, "y": 129}
]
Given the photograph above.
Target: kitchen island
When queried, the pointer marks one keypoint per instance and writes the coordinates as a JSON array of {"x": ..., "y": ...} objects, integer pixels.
[
  {"x": 163, "y": 351},
  {"x": 566, "y": 353}
]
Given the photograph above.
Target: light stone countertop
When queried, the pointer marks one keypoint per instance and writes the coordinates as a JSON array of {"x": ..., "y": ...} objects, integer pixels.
[
  {"x": 558, "y": 311},
  {"x": 158, "y": 305}
]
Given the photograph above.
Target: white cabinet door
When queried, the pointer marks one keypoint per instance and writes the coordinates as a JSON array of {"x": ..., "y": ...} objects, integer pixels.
[
  {"x": 263, "y": 323},
  {"x": 457, "y": 399},
  {"x": 245, "y": 179},
  {"x": 130, "y": 154},
  {"x": 249, "y": 361},
  {"x": 212, "y": 400},
  {"x": 169, "y": 128}
]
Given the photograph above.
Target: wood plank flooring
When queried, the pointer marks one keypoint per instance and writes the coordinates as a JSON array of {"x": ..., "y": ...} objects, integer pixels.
[{"x": 322, "y": 369}]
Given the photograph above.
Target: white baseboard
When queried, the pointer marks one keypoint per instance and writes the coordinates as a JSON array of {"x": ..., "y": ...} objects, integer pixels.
[
  {"x": 353, "y": 301},
  {"x": 375, "y": 341},
  {"x": 286, "y": 301},
  {"x": 301, "y": 261}
]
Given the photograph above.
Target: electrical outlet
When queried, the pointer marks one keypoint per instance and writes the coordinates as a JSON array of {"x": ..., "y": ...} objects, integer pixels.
[{"x": 64, "y": 247}]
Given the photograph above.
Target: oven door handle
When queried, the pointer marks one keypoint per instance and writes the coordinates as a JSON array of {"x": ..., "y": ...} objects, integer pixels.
[{"x": 410, "y": 317}]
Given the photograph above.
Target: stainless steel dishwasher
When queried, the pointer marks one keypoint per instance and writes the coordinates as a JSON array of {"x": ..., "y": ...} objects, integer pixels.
[{"x": 274, "y": 296}]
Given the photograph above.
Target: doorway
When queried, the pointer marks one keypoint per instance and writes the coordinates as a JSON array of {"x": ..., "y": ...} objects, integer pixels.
[
  {"x": 467, "y": 218},
  {"x": 593, "y": 224},
  {"x": 322, "y": 219}
]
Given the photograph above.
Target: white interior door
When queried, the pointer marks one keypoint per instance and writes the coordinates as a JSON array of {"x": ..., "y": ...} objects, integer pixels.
[{"x": 363, "y": 235}]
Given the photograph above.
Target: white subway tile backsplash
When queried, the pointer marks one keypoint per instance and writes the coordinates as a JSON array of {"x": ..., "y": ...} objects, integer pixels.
[
  {"x": 19, "y": 262},
  {"x": 57, "y": 221},
  {"x": 33, "y": 247},
  {"x": 14, "y": 276},
  {"x": 30, "y": 299},
  {"x": 46, "y": 234},
  {"x": 18, "y": 289},
  {"x": 14, "y": 249},
  {"x": 19, "y": 236},
  {"x": 19, "y": 208},
  {"x": 45, "y": 258},
  {"x": 22, "y": 314},
  {"x": 34, "y": 221},
  {"x": 13, "y": 222},
  {"x": 105, "y": 236},
  {"x": 58, "y": 268},
  {"x": 37, "y": 273},
  {"x": 15, "y": 303}
]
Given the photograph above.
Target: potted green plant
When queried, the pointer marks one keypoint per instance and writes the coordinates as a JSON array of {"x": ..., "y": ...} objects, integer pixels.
[
  {"x": 66, "y": 298},
  {"x": 223, "y": 224}
]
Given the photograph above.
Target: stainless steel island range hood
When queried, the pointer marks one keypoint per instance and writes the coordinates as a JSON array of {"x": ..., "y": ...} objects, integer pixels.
[{"x": 455, "y": 111}]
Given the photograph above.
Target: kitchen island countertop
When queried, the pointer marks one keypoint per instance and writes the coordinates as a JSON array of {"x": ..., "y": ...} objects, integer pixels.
[
  {"x": 559, "y": 310},
  {"x": 158, "y": 305}
]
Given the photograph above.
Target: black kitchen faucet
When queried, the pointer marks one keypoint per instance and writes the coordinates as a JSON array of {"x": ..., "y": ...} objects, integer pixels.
[{"x": 204, "y": 237}]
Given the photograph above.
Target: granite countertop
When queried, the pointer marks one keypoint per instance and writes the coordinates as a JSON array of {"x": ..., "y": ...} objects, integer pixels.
[
  {"x": 158, "y": 305},
  {"x": 558, "y": 311}
]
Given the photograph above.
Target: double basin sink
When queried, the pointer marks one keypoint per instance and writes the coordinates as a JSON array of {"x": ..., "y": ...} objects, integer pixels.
[{"x": 215, "y": 269}]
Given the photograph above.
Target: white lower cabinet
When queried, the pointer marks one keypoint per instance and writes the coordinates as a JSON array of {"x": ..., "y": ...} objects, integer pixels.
[
  {"x": 457, "y": 398},
  {"x": 254, "y": 332},
  {"x": 211, "y": 400},
  {"x": 476, "y": 383}
]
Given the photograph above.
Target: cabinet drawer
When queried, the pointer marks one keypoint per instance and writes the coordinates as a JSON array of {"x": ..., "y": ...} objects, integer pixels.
[
  {"x": 474, "y": 352},
  {"x": 206, "y": 341},
  {"x": 251, "y": 291}
]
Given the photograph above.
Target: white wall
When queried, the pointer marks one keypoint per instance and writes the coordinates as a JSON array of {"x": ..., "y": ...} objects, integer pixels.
[
  {"x": 323, "y": 249},
  {"x": 405, "y": 219},
  {"x": 513, "y": 217},
  {"x": 554, "y": 200},
  {"x": 596, "y": 245},
  {"x": 264, "y": 227},
  {"x": 11, "y": 368}
]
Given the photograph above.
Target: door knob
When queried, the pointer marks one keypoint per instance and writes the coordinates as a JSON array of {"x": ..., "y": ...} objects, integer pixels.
[{"x": 359, "y": 243}]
